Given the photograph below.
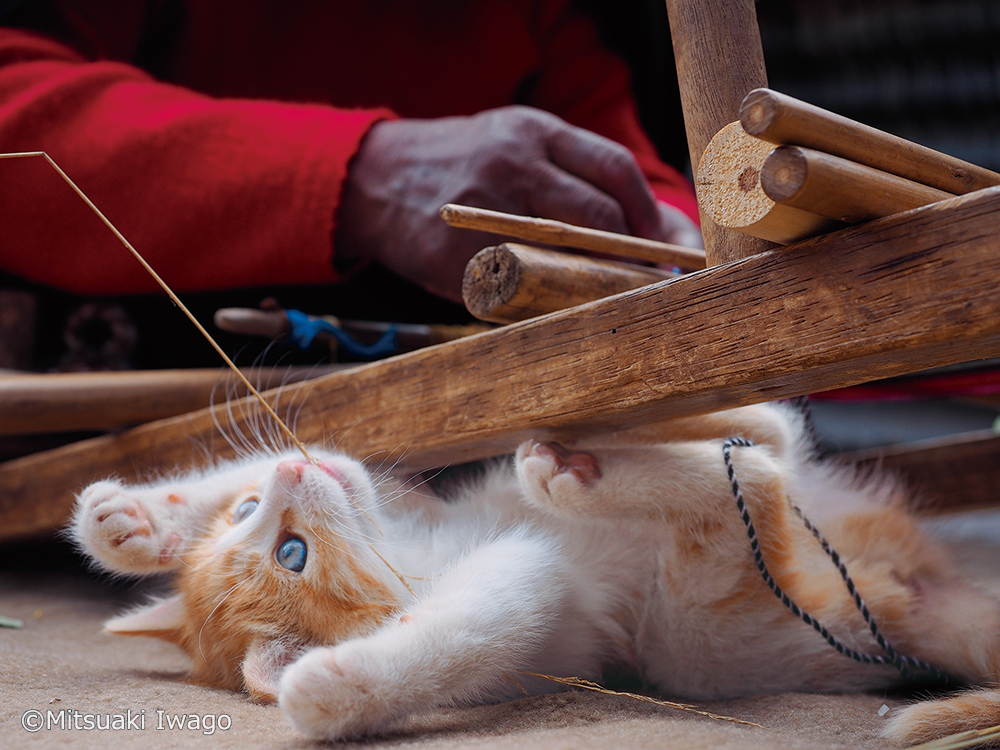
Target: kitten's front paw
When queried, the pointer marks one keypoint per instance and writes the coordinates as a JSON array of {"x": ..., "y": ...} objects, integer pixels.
[
  {"x": 327, "y": 695},
  {"x": 123, "y": 533},
  {"x": 555, "y": 473}
]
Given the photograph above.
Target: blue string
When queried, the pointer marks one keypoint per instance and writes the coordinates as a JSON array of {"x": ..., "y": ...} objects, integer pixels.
[{"x": 305, "y": 329}]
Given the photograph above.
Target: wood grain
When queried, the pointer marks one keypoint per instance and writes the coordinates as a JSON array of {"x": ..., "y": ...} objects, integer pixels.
[
  {"x": 947, "y": 474},
  {"x": 560, "y": 234},
  {"x": 34, "y": 404},
  {"x": 731, "y": 193},
  {"x": 900, "y": 294},
  {"x": 837, "y": 188},
  {"x": 513, "y": 282},
  {"x": 719, "y": 59},
  {"x": 781, "y": 119}
]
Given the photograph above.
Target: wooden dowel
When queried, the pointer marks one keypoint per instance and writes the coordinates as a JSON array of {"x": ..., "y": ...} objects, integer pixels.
[
  {"x": 68, "y": 402},
  {"x": 567, "y": 235},
  {"x": 274, "y": 324},
  {"x": 783, "y": 120},
  {"x": 780, "y": 324},
  {"x": 730, "y": 191},
  {"x": 513, "y": 282},
  {"x": 839, "y": 189},
  {"x": 719, "y": 59}
]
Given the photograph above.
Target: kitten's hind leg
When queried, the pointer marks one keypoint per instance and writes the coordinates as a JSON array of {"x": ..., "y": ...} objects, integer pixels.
[{"x": 142, "y": 529}]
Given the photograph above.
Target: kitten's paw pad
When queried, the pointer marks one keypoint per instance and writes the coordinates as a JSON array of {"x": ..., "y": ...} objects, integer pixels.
[
  {"x": 121, "y": 533},
  {"x": 583, "y": 466},
  {"x": 326, "y": 697}
]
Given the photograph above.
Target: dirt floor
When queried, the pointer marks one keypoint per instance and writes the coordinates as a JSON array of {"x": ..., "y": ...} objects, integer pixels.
[{"x": 61, "y": 662}]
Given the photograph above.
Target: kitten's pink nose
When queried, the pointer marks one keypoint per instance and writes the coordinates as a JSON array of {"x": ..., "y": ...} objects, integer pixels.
[{"x": 291, "y": 471}]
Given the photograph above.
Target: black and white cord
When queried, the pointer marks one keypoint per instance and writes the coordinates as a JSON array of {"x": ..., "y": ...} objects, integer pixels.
[{"x": 903, "y": 663}]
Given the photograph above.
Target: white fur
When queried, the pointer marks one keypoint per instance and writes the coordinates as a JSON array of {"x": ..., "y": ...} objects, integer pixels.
[{"x": 551, "y": 571}]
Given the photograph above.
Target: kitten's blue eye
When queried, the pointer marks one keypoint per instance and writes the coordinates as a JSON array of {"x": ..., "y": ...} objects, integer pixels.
[
  {"x": 292, "y": 554},
  {"x": 246, "y": 508}
]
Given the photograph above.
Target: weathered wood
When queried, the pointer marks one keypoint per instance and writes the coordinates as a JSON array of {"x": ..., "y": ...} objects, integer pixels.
[
  {"x": 568, "y": 235},
  {"x": 953, "y": 473},
  {"x": 512, "y": 282},
  {"x": 730, "y": 191},
  {"x": 900, "y": 294},
  {"x": 837, "y": 188},
  {"x": 781, "y": 119},
  {"x": 719, "y": 59},
  {"x": 32, "y": 404}
]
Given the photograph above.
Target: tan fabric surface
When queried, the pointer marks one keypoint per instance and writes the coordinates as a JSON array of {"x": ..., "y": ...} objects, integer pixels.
[{"x": 61, "y": 659}]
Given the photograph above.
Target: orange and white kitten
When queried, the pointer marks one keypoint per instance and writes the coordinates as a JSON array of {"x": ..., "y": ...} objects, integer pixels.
[{"x": 356, "y": 606}]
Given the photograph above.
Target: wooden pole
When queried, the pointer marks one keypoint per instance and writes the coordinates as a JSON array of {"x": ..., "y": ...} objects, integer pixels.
[
  {"x": 567, "y": 235},
  {"x": 513, "y": 282},
  {"x": 837, "y": 188},
  {"x": 781, "y": 119},
  {"x": 68, "y": 402},
  {"x": 730, "y": 191},
  {"x": 719, "y": 59},
  {"x": 829, "y": 312}
]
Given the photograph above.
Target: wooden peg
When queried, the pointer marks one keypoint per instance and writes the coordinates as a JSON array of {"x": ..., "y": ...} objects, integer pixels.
[
  {"x": 568, "y": 235},
  {"x": 730, "y": 191},
  {"x": 839, "y": 189},
  {"x": 781, "y": 119},
  {"x": 514, "y": 282}
]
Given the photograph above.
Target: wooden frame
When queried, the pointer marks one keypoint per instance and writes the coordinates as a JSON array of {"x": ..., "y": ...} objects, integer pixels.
[{"x": 900, "y": 294}]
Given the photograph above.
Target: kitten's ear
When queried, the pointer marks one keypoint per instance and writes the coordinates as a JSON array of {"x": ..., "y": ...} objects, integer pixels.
[
  {"x": 264, "y": 663},
  {"x": 164, "y": 619}
]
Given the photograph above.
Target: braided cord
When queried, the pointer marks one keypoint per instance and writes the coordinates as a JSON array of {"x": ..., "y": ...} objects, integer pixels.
[{"x": 903, "y": 663}]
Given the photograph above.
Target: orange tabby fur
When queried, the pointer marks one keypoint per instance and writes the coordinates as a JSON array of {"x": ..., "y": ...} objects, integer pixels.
[{"x": 622, "y": 549}]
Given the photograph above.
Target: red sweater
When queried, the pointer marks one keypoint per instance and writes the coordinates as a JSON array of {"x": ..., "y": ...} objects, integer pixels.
[{"x": 217, "y": 136}]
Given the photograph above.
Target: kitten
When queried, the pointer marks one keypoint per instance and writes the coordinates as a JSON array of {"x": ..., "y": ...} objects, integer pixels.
[{"x": 357, "y": 602}]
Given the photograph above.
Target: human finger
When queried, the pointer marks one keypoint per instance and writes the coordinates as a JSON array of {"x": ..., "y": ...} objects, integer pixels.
[
  {"x": 562, "y": 196},
  {"x": 677, "y": 228},
  {"x": 612, "y": 169}
]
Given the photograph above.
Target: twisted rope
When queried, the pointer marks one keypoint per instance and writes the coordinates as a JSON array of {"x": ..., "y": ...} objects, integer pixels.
[{"x": 903, "y": 663}]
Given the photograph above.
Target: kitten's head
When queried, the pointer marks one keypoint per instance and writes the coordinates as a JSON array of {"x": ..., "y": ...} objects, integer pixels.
[{"x": 286, "y": 566}]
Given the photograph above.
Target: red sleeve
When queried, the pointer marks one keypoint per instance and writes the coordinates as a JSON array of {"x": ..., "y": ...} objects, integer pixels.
[
  {"x": 215, "y": 193},
  {"x": 587, "y": 85}
]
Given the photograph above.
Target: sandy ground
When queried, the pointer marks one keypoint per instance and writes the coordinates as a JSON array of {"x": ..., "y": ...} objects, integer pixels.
[{"x": 61, "y": 662}]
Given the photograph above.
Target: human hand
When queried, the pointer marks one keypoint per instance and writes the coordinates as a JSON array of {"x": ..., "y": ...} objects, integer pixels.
[{"x": 514, "y": 159}]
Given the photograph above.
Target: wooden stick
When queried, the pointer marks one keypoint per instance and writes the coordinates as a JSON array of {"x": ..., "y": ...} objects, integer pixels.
[
  {"x": 837, "y": 188},
  {"x": 832, "y": 311},
  {"x": 568, "y": 235},
  {"x": 513, "y": 282},
  {"x": 730, "y": 191},
  {"x": 719, "y": 58},
  {"x": 68, "y": 402},
  {"x": 781, "y": 119},
  {"x": 274, "y": 324}
]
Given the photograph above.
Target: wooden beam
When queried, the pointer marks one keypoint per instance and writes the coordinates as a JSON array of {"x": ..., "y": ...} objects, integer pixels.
[
  {"x": 899, "y": 294},
  {"x": 512, "y": 282},
  {"x": 34, "y": 404},
  {"x": 719, "y": 59},
  {"x": 959, "y": 472}
]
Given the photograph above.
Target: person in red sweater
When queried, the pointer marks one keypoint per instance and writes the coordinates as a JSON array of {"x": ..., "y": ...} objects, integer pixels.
[{"x": 266, "y": 142}]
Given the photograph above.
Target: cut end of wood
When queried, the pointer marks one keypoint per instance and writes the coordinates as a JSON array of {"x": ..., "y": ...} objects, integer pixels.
[
  {"x": 491, "y": 280},
  {"x": 758, "y": 111},
  {"x": 784, "y": 173},
  {"x": 728, "y": 181}
]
